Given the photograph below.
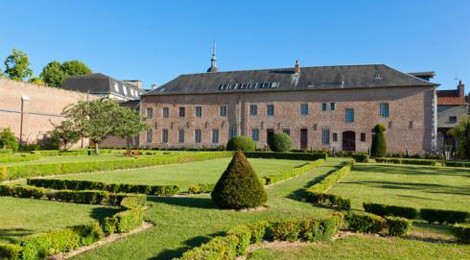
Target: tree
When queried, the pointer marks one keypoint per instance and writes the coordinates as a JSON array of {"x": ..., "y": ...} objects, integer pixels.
[
  {"x": 18, "y": 66},
  {"x": 281, "y": 142},
  {"x": 239, "y": 187},
  {"x": 461, "y": 133},
  {"x": 242, "y": 143},
  {"x": 65, "y": 134},
  {"x": 36, "y": 81},
  {"x": 55, "y": 73},
  {"x": 8, "y": 140},
  {"x": 379, "y": 143},
  {"x": 100, "y": 118}
]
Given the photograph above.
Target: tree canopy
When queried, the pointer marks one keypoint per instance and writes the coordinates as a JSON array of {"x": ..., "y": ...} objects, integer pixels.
[
  {"x": 461, "y": 133},
  {"x": 55, "y": 73},
  {"x": 65, "y": 134},
  {"x": 18, "y": 66}
]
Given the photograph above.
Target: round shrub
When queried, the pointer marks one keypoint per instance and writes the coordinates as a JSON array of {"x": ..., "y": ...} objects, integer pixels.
[
  {"x": 281, "y": 142},
  {"x": 8, "y": 140},
  {"x": 241, "y": 143},
  {"x": 239, "y": 186}
]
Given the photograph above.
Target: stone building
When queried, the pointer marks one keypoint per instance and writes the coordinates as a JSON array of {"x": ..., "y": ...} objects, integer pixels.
[{"x": 327, "y": 107}]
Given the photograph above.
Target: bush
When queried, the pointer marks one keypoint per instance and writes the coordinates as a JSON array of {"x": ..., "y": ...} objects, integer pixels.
[
  {"x": 285, "y": 230},
  {"x": 379, "y": 143},
  {"x": 457, "y": 164},
  {"x": 243, "y": 233},
  {"x": 291, "y": 173},
  {"x": 217, "y": 248},
  {"x": 461, "y": 232},
  {"x": 288, "y": 156},
  {"x": 366, "y": 223},
  {"x": 129, "y": 220},
  {"x": 360, "y": 157},
  {"x": 239, "y": 187},
  {"x": 281, "y": 142},
  {"x": 443, "y": 216},
  {"x": 8, "y": 140},
  {"x": 110, "y": 225},
  {"x": 19, "y": 158},
  {"x": 315, "y": 230},
  {"x": 88, "y": 233},
  {"x": 389, "y": 210},
  {"x": 200, "y": 188},
  {"x": 41, "y": 245},
  {"x": 10, "y": 251},
  {"x": 398, "y": 226},
  {"x": 258, "y": 230},
  {"x": 241, "y": 143}
]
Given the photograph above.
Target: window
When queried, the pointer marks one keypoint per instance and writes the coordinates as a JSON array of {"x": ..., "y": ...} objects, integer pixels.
[
  {"x": 255, "y": 134},
  {"x": 197, "y": 135},
  {"x": 270, "y": 110},
  {"x": 198, "y": 111},
  {"x": 182, "y": 111},
  {"x": 232, "y": 132},
  {"x": 335, "y": 137},
  {"x": 215, "y": 136},
  {"x": 363, "y": 137},
  {"x": 383, "y": 110},
  {"x": 452, "y": 119},
  {"x": 323, "y": 107},
  {"x": 410, "y": 124},
  {"x": 332, "y": 106},
  {"x": 223, "y": 110},
  {"x": 286, "y": 131},
  {"x": 166, "y": 112},
  {"x": 325, "y": 136},
  {"x": 164, "y": 136},
  {"x": 149, "y": 112},
  {"x": 124, "y": 89},
  {"x": 349, "y": 115},
  {"x": 181, "y": 135},
  {"x": 149, "y": 136},
  {"x": 303, "y": 109},
  {"x": 253, "y": 110}
]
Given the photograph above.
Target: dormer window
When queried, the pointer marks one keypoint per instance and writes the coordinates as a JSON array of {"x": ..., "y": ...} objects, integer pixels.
[{"x": 378, "y": 76}]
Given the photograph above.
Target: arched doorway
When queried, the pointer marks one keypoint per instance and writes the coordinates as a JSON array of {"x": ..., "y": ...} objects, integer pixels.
[{"x": 349, "y": 141}]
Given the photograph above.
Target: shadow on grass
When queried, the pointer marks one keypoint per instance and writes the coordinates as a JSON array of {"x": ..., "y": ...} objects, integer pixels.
[
  {"x": 190, "y": 202},
  {"x": 410, "y": 170},
  {"x": 188, "y": 244},
  {"x": 14, "y": 234},
  {"x": 102, "y": 212}
]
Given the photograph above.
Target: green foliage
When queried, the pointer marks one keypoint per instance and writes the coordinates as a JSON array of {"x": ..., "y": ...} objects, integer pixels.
[
  {"x": 461, "y": 133},
  {"x": 288, "y": 156},
  {"x": 10, "y": 251},
  {"x": 360, "y": 157},
  {"x": 258, "y": 231},
  {"x": 241, "y": 143},
  {"x": 398, "y": 226},
  {"x": 285, "y": 230},
  {"x": 243, "y": 233},
  {"x": 65, "y": 134},
  {"x": 36, "y": 81},
  {"x": 55, "y": 73},
  {"x": 217, "y": 248},
  {"x": 239, "y": 187},
  {"x": 457, "y": 164},
  {"x": 443, "y": 216},
  {"x": 129, "y": 220},
  {"x": 8, "y": 140},
  {"x": 110, "y": 225},
  {"x": 281, "y": 142},
  {"x": 18, "y": 66},
  {"x": 379, "y": 143},
  {"x": 366, "y": 223},
  {"x": 390, "y": 210},
  {"x": 88, "y": 233},
  {"x": 266, "y": 180},
  {"x": 39, "y": 246},
  {"x": 461, "y": 232},
  {"x": 406, "y": 161},
  {"x": 200, "y": 188},
  {"x": 8, "y": 158},
  {"x": 316, "y": 230}
]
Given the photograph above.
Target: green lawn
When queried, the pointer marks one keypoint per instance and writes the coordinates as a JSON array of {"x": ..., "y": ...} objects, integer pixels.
[
  {"x": 184, "y": 174},
  {"x": 367, "y": 247},
  {"x": 184, "y": 222},
  {"x": 20, "y": 217},
  {"x": 407, "y": 185}
]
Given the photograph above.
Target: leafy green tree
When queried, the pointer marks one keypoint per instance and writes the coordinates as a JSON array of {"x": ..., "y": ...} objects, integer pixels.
[
  {"x": 461, "y": 133},
  {"x": 8, "y": 140},
  {"x": 239, "y": 186},
  {"x": 18, "y": 66},
  {"x": 281, "y": 142},
  {"x": 37, "y": 81},
  {"x": 65, "y": 134},
  {"x": 242, "y": 143},
  {"x": 100, "y": 118},
  {"x": 379, "y": 143},
  {"x": 55, "y": 73}
]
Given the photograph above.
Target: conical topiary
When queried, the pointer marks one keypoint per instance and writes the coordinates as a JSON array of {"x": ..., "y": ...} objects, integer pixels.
[
  {"x": 239, "y": 186},
  {"x": 379, "y": 143}
]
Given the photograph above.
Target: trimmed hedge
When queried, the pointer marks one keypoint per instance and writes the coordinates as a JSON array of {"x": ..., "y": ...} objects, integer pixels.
[
  {"x": 287, "y": 156},
  {"x": 57, "y": 184},
  {"x": 23, "y": 171},
  {"x": 360, "y": 157},
  {"x": 200, "y": 188},
  {"x": 366, "y": 223},
  {"x": 407, "y": 161},
  {"x": 316, "y": 193},
  {"x": 82, "y": 197},
  {"x": 18, "y": 158},
  {"x": 456, "y": 164},
  {"x": 244, "y": 234},
  {"x": 443, "y": 216},
  {"x": 10, "y": 251},
  {"x": 461, "y": 232},
  {"x": 241, "y": 143},
  {"x": 292, "y": 172},
  {"x": 398, "y": 226},
  {"x": 390, "y": 210}
]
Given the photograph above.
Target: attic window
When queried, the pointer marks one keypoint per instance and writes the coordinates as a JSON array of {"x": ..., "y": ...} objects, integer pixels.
[
  {"x": 124, "y": 89},
  {"x": 275, "y": 84},
  {"x": 378, "y": 76},
  {"x": 116, "y": 87}
]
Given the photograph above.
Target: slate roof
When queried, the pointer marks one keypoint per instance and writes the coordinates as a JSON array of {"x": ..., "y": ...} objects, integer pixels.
[
  {"x": 100, "y": 84},
  {"x": 450, "y": 98},
  {"x": 285, "y": 79}
]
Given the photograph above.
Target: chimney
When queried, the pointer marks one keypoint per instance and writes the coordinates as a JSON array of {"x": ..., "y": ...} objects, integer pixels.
[
  {"x": 297, "y": 67},
  {"x": 461, "y": 88}
]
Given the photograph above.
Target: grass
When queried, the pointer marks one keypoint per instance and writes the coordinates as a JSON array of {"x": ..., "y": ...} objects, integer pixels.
[
  {"x": 20, "y": 217},
  {"x": 367, "y": 247},
  {"x": 184, "y": 222},
  {"x": 406, "y": 185},
  {"x": 184, "y": 174}
]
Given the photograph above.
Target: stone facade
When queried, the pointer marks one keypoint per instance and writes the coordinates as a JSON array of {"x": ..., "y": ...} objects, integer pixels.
[{"x": 411, "y": 124}]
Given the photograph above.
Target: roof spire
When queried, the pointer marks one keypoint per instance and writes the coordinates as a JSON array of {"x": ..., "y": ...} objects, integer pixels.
[{"x": 213, "y": 67}]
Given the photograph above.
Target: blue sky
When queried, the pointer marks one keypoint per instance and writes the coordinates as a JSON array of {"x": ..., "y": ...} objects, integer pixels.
[{"x": 155, "y": 41}]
